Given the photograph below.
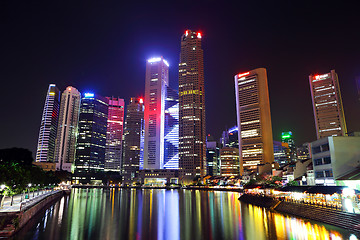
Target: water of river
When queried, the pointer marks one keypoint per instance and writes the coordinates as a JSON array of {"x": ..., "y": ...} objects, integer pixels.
[{"x": 168, "y": 214}]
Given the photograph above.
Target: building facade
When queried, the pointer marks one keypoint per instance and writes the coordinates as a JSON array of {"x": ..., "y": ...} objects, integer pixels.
[
  {"x": 115, "y": 123},
  {"x": 133, "y": 139},
  {"x": 48, "y": 128},
  {"x": 156, "y": 82},
  {"x": 253, "y": 119},
  {"x": 327, "y": 105},
  {"x": 91, "y": 142},
  {"x": 212, "y": 158},
  {"x": 281, "y": 153},
  {"x": 67, "y": 129},
  {"x": 230, "y": 165},
  {"x": 287, "y": 137},
  {"x": 192, "y": 129}
]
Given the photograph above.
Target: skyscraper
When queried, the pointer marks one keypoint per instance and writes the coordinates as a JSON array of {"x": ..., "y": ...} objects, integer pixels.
[
  {"x": 91, "y": 142},
  {"x": 49, "y": 123},
  {"x": 171, "y": 136},
  {"x": 67, "y": 129},
  {"x": 254, "y": 119},
  {"x": 327, "y": 105},
  {"x": 115, "y": 122},
  {"x": 156, "y": 82},
  {"x": 287, "y": 137},
  {"x": 134, "y": 128},
  {"x": 229, "y": 162},
  {"x": 192, "y": 132}
]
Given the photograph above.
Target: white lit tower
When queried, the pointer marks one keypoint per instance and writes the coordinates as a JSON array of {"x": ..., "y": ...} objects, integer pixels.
[
  {"x": 49, "y": 123},
  {"x": 67, "y": 129}
]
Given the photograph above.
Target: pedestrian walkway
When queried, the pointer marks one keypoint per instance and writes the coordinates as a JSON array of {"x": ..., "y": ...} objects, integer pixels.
[{"x": 23, "y": 201}]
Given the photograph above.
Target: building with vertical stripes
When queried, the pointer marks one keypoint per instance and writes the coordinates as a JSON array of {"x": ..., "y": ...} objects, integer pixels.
[{"x": 49, "y": 124}]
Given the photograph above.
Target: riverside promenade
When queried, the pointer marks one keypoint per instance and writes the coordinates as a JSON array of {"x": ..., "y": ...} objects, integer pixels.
[{"x": 17, "y": 212}]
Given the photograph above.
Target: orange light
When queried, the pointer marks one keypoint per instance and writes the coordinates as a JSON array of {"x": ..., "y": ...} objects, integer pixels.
[
  {"x": 141, "y": 100},
  {"x": 199, "y": 35},
  {"x": 243, "y": 74},
  {"x": 69, "y": 88}
]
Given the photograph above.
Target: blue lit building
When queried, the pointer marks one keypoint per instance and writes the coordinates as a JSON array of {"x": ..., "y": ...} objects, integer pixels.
[
  {"x": 171, "y": 135},
  {"x": 91, "y": 142}
]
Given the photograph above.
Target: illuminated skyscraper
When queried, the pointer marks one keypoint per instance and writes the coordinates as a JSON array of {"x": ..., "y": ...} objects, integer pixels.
[
  {"x": 192, "y": 132},
  {"x": 287, "y": 137},
  {"x": 49, "y": 123},
  {"x": 133, "y": 134},
  {"x": 327, "y": 105},
  {"x": 156, "y": 82},
  {"x": 115, "y": 122},
  {"x": 91, "y": 142},
  {"x": 254, "y": 119},
  {"x": 229, "y": 158},
  {"x": 67, "y": 129}
]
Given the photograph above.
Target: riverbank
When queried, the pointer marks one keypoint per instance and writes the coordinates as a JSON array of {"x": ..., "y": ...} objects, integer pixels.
[
  {"x": 349, "y": 221},
  {"x": 11, "y": 222}
]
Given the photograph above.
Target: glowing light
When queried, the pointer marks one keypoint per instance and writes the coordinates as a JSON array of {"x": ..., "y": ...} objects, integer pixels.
[
  {"x": 186, "y": 33},
  {"x": 69, "y": 88},
  {"x": 166, "y": 63},
  {"x": 321, "y": 77},
  {"x": 155, "y": 59},
  {"x": 141, "y": 100},
  {"x": 234, "y": 129},
  {"x": 243, "y": 74},
  {"x": 51, "y": 93},
  {"x": 199, "y": 35},
  {"x": 52, "y": 85},
  {"x": 89, "y": 95}
]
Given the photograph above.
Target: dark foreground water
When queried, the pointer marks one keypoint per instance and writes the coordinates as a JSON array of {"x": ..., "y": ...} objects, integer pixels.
[{"x": 168, "y": 214}]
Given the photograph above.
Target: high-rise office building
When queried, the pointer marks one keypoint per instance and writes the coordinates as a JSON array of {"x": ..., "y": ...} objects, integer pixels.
[
  {"x": 287, "y": 137},
  {"x": 49, "y": 123},
  {"x": 133, "y": 134},
  {"x": 67, "y": 129},
  {"x": 281, "y": 153},
  {"x": 192, "y": 132},
  {"x": 91, "y": 142},
  {"x": 229, "y": 138},
  {"x": 254, "y": 119},
  {"x": 229, "y": 158},
  {"x": 156, "y": 82},
  {"x": 212, "y": 158},
  {"x": 115, "y": 122},
  {"x": 327, "y": 105},
  {"x": 171, "y": 136}
]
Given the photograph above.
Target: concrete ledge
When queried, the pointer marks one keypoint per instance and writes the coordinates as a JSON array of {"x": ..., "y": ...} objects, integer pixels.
[{"x": 11, "y": 222}]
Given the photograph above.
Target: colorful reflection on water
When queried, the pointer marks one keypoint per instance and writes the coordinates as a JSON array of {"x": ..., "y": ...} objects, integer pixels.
[{"x": 168, "y": 214}]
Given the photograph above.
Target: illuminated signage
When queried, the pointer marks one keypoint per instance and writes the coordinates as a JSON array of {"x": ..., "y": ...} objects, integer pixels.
[
  {"x": 189, "y": 92},
  {"x": 321, "y": 77},
  {"x": 141, "y": 100},
  {"x": 69, "y": 88},
  {"x": 89, "y": 95},
  {"x": 243, "y": 74},
  {"x": 186, "y": 33},
  {"x": 286, "y": 135},
  {"x": 234, "y": 129},
  {"x": 166, "y": 63},
  {"x": 199, "y": 35},
  {"x": 51, "y": 93}
]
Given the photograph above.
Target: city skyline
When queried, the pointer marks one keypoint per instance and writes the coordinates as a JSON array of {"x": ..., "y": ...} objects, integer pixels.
[{"x": 286, "y": 59}]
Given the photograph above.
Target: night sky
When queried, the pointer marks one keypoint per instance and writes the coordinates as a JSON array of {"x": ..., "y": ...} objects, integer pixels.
[{"x": 102, "y": 46}]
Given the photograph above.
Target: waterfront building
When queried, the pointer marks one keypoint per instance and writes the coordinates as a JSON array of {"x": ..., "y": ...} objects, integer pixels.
[
  {"x": 212, "y": 158},
  {"x": 253, "y": 119},
  {"x": 115, "y": 122},
  {"x": 230, "y": 165},
  {"x": 335, "y": 157},
  {"x": 67, "y": 129},
  {"x": 281, "y": 153},
  {"x": 287, "y": 137},
  {"x": 48, "y": 128},
  {"x": 133, "y": 139},
  {"x": 192, "y": 131},
  {"x": 327, "y": 105},
  {"x": 91, "y": 142},
  {"x": 161, "y": 117}
]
